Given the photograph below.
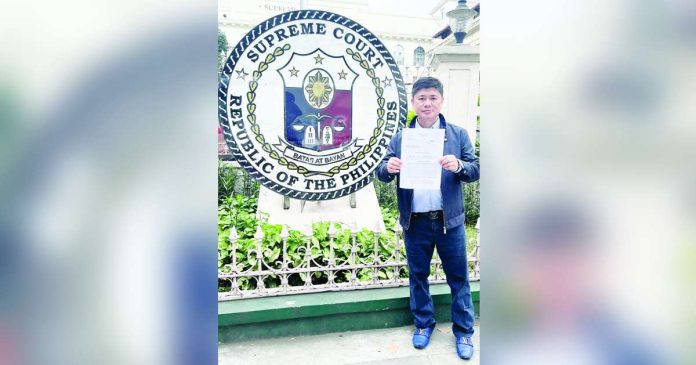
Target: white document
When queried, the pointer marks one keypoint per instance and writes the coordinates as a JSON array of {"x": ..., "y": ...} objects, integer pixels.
[{"x": 420, "y": 150}]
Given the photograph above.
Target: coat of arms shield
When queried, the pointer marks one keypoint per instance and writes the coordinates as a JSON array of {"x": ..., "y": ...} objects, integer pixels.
[{"x": 318, "y": 100}]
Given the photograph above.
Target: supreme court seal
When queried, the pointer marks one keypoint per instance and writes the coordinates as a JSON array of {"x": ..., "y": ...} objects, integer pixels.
[{"x": 308, "y": 103}]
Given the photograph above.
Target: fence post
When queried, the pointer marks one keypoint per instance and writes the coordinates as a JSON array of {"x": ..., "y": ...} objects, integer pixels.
[
  {"x": 308, "y": 255},
  {"x": 397, "y": 251},
  {"x": 259, "y": 258},
  {"x": 284, "y": 235},
  {"x": 375, "y": 260},
  {"x": 233, "y": 240},
  {"x": 332, "y": 260},
  {"x": 353, "y": 253}
]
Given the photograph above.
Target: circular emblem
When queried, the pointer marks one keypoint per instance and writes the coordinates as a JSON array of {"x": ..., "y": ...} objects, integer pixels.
[{"x": 308, "y": 103}]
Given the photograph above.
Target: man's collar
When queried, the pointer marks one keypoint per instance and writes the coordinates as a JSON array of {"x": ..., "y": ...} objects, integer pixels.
[{"x": 435, "y": 125}]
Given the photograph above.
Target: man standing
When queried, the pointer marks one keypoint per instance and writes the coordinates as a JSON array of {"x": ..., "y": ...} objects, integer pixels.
[{"x": 435, "y": 218}]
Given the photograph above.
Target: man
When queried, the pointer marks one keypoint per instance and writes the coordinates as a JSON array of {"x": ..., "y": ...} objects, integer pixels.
[{"x": 435, "y": 218}]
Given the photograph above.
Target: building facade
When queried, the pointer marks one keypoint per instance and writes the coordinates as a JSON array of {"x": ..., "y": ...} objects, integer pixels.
[{"x": 410, "y": 38}]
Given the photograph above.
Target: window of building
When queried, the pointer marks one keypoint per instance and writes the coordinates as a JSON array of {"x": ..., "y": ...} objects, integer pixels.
[
  {"x": 399, "y": 54},
  {"x": 419, "y": 56}
]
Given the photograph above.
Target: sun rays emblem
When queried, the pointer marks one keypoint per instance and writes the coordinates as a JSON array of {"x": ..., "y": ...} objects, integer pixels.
[
  {"x": 318, "y": 100},
  {"x": 318, "y": 89}
]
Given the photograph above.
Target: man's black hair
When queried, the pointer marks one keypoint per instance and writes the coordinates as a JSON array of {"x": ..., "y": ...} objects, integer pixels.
[{"x": 427, "y": 83}]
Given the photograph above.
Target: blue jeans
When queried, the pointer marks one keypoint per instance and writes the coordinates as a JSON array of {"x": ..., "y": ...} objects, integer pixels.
[{"x": 420, "y": 239}]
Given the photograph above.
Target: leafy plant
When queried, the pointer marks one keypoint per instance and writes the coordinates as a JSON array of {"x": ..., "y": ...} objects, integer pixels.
[
  {"x": 472, "y": 201},
  {"x": 386, "y": 194},
  {"x": 227, "y": 179},
  {"x": 234, "y": 180},
  {"x": 237, "y": 204}
]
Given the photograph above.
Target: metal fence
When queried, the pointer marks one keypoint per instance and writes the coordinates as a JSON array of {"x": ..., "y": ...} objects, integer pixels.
[{"x": 338, "y": 272}]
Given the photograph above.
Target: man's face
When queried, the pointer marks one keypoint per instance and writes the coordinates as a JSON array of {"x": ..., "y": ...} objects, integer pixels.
[{"x": 427, "y": 103}]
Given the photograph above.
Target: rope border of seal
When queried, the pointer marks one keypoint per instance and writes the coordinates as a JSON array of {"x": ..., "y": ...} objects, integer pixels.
[{"x": 244, "y": 43}]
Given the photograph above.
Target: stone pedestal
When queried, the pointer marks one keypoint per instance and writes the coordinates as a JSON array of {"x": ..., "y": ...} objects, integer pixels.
[
  {"x": 457, "y": 67},
  {"x": 366, "y": 214}
]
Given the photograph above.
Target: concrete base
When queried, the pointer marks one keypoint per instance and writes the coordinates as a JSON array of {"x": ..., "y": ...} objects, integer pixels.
[
  {"x": 326, "y": 312},
  {"x": 366, "y": 214}
]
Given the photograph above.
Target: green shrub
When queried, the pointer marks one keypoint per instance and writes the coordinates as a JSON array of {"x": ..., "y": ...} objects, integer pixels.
[
  {"x": 386, "y": 195},
  {"x": 237, "y": 204},
  {"x": 236, "y": 212},
  {"x": 227, "y": 178},
  {"x": 472, "y": 202},
  {"x": 234, "y": 180}
]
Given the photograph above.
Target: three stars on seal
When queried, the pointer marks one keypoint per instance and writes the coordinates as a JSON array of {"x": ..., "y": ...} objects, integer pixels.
[{"x": 294, "y": 72}]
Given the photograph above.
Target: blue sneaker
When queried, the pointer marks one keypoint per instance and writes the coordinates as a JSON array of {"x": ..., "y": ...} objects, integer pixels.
[
  {"x": 421, "y": 337},
  {"x": 465, "y": 347}
]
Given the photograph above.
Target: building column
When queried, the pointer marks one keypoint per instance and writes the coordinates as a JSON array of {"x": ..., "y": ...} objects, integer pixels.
[{"x": 457, "y": 67}]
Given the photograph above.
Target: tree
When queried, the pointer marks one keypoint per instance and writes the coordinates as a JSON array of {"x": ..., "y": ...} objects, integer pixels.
[{"x": 223, "y": 47}]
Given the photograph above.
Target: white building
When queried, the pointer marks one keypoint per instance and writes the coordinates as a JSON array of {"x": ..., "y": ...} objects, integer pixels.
[{"x": 409, "y": 38}]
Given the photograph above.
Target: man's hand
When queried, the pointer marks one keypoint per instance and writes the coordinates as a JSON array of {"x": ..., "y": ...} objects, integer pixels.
[
  {"x": 449, "y": 162},
  {"x": 394, "y": 165}
]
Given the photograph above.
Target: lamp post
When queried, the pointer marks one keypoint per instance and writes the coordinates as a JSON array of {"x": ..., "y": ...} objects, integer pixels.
[{"x": 461, "y": 18}]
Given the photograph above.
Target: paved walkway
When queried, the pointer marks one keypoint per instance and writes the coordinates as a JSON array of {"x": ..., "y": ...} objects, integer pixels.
[{"x": 381, "y": 346}]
